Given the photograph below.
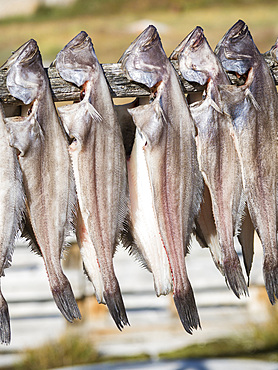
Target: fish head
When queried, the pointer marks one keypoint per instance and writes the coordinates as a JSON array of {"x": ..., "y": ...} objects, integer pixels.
[
  {"x": 237, "y": 50},
  {"x": 144, "y": 60},
  {"x": 149, "y": 121},
  {"x": 77, "y": 60},
  {"x": 195, "y": 57},
  {"x": 25, "y": 76}
]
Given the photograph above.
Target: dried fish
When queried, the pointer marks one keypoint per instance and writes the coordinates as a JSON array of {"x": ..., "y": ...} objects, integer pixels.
[
  {"x": 253, "y": 110},
  {"x": 44, "y": 159},
  {"x": 99, "y": 164},
  {"x": 167, "y": 140}
]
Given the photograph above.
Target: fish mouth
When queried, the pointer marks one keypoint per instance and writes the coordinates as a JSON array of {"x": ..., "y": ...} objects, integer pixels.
[
  {"x": 79, "y": 42},
  {"x": 197, "y": 38},
  {"x": 143, "y": 42},
  {"x": 193, "y": 40},
  {"x": 238, "y": 30},
  {"x": 24, "y": 54},
  {"x": 231, "y": 39}
]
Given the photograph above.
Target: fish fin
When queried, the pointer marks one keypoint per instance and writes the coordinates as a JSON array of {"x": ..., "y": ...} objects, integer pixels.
[
  {"x": 115, "y": 304},
  {"x": 65, "y": 301},
  {"x": 246, "y": 239},
  {"x": 96, "y": 116},
  {"x": 128, "y": 243},
  {"x": 213, "y": 104},
  {"x": 187, "y": 309},
  {"x": 29, "y": 235},
  {"x": 206, "y": 229},
  {"x": 270, "y": 273},
  {"x": 5, "y": 330},
  {"x": 23, "y": 132},
  {"x": 252, "y": 99},
  {"x": 234, "y": 277}
]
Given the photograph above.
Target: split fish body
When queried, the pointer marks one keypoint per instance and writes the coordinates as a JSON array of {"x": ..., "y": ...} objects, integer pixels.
[
  {"x": 44, "y": 159},
  {"x": 253, "y": 109},
  {"x": 170, "y": 153},
  {"x": 141, "y": 236},
  {"x": 99, "y": 164},
  {"x": 12, "y": 214},
  {"x": 143, "y": 219},
  {"x": 217, "y": 155}
]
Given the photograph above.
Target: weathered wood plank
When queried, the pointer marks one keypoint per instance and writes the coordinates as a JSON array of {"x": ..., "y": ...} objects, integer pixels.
[{"x": 119, "y": 85}]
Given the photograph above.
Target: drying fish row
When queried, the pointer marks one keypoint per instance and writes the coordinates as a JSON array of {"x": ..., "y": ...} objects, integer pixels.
[{"x": 145, "y": 175}]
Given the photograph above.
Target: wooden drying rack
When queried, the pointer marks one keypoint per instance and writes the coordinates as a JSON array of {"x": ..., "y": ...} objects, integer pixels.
[{"x": 119, "y": 85}]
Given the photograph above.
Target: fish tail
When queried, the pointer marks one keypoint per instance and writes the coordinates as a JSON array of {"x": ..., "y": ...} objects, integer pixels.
[
  {"x": 270, "y": 272},
  {"x": 187, "y": 309},
  {"x": 115, "y": 304},
  {"x": 65, "y": 301},
  {"x": 234, "y": 276},
  {"x": 5, "y": 330}
]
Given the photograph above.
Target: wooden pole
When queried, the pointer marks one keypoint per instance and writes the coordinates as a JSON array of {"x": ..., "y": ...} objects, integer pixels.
[{"x": 119, "y": 84}]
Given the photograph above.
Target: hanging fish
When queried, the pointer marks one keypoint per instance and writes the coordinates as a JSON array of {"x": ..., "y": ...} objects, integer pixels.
[
  {"x": 12, "y": 215},
  {"x": 166, "y": 131},
  {"x": 44, "y": 159},
  {"x": 217, "y": 155},
  {"x": 253, "y": 110},
  {"x": 99, "y": 164}
]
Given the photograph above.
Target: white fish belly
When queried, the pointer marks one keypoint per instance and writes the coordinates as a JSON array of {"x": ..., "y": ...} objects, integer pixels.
[{"x": 143, "y": 218}]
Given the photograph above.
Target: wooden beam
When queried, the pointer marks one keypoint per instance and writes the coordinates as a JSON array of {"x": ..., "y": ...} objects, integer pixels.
[{"x": 119, "y": 85}]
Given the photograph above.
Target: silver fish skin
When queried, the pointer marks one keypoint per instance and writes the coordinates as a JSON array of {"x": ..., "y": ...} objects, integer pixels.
[
  {"x": 12, "y": 215},
  {"x": 217, "y": 156},
  {"x": 45, "y": 163},
  {"x": 98, "y": 158},
  {"x": 253, "y": 109},
  {"x": 170, "y": 151}
]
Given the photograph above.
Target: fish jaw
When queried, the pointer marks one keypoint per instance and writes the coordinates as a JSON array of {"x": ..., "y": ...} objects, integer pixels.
[
  {"x": 235, "y": 51},
  {"x": 136, "y": 59},
  {"x": 144, "y": 223},
  {"x": 76, "y": 61},
  {"x": 193, "y": 55}
]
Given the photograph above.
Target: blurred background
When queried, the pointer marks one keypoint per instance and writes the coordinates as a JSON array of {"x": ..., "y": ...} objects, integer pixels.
[{"x": 41, "y": 337}]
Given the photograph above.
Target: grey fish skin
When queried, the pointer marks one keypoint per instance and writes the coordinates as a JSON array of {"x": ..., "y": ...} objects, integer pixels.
[
  {"x": 170, "y": 154},
  {"x": 12, "y": 215},
  {"x": 99, "y": 163},
  {"x": 217, "y": 155},
  {"x": 253, "y": 109},
  {"x": 45, "y": 163}
]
